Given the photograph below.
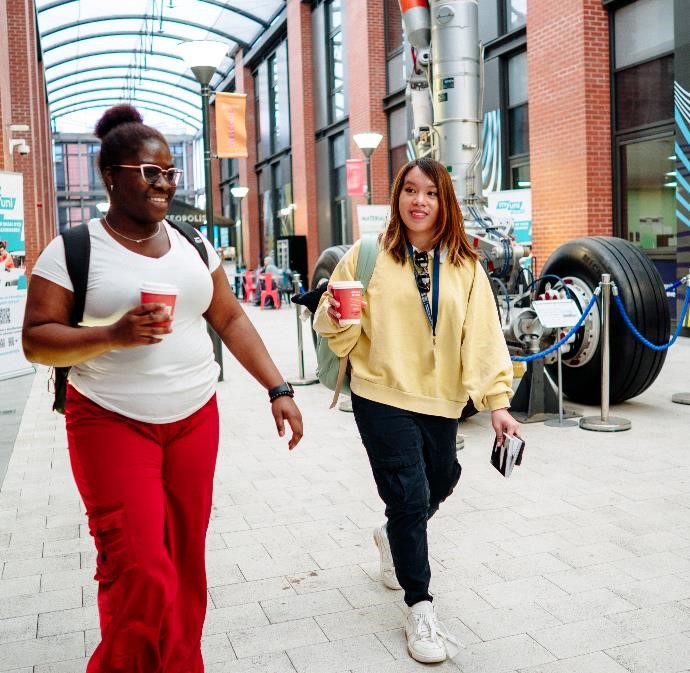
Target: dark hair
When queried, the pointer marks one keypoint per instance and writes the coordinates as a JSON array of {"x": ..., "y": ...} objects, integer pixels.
[
  {"x": 121, "y": 131},
  {"x": 450, "y": 230}
]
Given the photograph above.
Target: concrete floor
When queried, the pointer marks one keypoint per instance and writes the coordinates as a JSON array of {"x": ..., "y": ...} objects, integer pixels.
[{"x": 579, "y": 563}]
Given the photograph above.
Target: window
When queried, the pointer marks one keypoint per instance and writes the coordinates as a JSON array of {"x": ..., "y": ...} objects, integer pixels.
[
  {"x": 643, "y": 30},
  {"x": 518, "y": 121},
  {"x": 94, "y": 176},
  {"x": 398, "y": 134},
  {"x": 648, "y": 181},
  {"x": 516, "y": 14},
  {"x": 58, "y": 158},
  {"x": 336, "y": 60},
  {"x": 339, "y": 219},
  {"x": 274, "y": 102}
]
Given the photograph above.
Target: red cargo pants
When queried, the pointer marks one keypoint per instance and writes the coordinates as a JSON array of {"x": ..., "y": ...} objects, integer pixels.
[{"x": 147, "y": 490}]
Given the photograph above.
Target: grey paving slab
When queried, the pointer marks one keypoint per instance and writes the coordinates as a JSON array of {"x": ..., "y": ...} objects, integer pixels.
[
  {"x": 598, "y": 538},
  {"x": 340, "y": 656},
  {"x": 570, "y": 640},
  {"x": 668, "y": 654}
]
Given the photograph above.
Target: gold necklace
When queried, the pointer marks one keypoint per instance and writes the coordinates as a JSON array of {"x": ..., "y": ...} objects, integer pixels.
[{"x": 127, "y": 238}]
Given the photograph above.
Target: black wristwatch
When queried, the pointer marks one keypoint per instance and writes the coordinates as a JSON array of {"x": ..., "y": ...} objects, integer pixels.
[{"x": 279, "y": 391}]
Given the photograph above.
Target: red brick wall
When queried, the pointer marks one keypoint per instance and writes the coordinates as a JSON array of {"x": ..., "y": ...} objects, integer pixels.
[
  {"x": 251, "y": 234},
  {"x": 302, "y": 125},
  {"x": 366, "y": 68},
  {"x": 5, "y": 93},
  {"x": 569, "y": 120},
  {"x": 26, "y": 104}
]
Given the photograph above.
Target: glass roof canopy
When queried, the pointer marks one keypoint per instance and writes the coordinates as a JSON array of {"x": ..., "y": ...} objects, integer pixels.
[{"x": 96, "y": 56}]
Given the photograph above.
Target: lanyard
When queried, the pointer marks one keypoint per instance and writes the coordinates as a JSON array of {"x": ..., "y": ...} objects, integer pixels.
[{"x": 431, "y": 311}]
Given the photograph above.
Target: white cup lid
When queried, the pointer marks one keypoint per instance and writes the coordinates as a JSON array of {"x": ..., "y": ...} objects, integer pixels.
[
  {"x": 346, "y": 284},
  {"x": 159, "y": 288}
]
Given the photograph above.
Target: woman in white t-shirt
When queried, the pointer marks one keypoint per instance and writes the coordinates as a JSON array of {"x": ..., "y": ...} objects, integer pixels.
[{"x": 141, "y": 414}]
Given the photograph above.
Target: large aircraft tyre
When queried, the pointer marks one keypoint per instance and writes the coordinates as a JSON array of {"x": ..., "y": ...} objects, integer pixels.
[{"x": 634, "y": 367}]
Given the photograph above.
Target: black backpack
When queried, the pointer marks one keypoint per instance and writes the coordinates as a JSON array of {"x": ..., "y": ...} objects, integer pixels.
[{"x": 77, "y": 255}]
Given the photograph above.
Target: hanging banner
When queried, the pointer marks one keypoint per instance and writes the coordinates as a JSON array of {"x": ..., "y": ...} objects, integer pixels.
[
  {"x": 12, "y": 276},
  {"x": 356, "y": 181},
  {"x": 231, "y": 132}
]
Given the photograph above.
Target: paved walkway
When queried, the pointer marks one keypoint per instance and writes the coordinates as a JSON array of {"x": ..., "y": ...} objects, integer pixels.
[{"x": 580, "y": 563}]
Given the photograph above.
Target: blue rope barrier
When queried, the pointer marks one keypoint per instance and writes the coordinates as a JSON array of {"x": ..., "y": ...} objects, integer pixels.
[
  {"x": 636, "y": 332},
  {"x": 558, "y": 344},
  {"x": 673, "y": 286}
]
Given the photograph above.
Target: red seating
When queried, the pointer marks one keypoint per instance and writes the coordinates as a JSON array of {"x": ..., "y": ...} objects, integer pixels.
[
  {"x": 249, "y": 288},
  {"x": 269, "y": 289}
]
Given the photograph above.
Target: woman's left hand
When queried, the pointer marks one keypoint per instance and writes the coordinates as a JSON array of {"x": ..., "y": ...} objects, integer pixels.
[
  {"x": 285, "y": 409},
  {"x": 504, "y": 423}
]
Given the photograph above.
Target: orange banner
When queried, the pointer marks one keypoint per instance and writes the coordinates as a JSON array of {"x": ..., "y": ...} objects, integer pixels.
[{"x": 231, "y": 133}]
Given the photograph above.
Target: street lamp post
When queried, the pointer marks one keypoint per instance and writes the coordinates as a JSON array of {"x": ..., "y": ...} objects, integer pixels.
[
  {"x": 202, "y": 57},
  {"x": 239, "y": 193},
  {"x": 367, "y": 142}
]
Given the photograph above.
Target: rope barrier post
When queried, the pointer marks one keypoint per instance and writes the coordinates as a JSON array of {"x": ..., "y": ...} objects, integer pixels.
[
  {"x": 605, "y": 423},
  {"x": 301, "y": 380},
  {"x": 681, "y": 398},
  {"x": 560, "y": 422}
]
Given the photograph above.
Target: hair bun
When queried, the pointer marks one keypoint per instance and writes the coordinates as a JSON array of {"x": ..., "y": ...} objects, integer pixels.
[{"x": 115, "y": 116}]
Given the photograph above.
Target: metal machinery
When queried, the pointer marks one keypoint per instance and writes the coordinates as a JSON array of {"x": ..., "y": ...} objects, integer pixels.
[{"x": 445, "y": 91}]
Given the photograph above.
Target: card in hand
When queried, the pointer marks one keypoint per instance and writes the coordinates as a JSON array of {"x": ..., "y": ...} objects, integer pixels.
[{"x": 508, "y": 454}]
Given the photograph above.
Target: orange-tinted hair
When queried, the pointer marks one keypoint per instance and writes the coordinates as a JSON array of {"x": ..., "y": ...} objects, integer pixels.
[{"x": 450, "y": 229}]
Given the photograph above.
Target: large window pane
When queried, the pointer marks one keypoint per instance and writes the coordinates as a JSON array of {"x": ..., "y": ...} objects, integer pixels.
[
  {"x": 643, "y": 30},
  {"x": 644, "y": 94},
  {"x": 516, "y": 13},
  {"x": 517, "y": 79},
  {"x": 518, "y": 131},
  {"x": 648, "y": 189}
]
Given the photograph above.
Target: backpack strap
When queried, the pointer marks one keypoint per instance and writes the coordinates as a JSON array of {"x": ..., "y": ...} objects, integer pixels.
[
  {"x": 77, "y": 254},
  {"x": 366, "y": 261},
  {"x": 193, "y": 236}
]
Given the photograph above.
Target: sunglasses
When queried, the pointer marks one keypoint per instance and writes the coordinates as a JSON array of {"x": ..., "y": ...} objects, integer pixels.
[
  {"x": 152, "y": 173},
  {"x": 421, "y": 260}
]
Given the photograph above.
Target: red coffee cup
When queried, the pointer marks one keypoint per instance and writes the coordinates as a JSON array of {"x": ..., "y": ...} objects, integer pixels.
[
  {"x": 349, "y": 294},
  {"x": 160, "y": 293}
]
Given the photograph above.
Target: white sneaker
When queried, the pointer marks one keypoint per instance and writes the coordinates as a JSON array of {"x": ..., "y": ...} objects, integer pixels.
[
  {"x": 387, "y": 568},
  {"x": 424, "y": 642}
]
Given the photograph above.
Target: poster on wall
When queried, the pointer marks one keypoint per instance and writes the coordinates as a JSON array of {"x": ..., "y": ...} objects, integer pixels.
[
  {"x": 516, "y": 204},
  {"x": 12, "y": 276}
]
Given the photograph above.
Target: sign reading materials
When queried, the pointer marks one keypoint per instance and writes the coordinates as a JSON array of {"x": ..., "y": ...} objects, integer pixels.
[
  {"x": 516, "y": 204},
  {"x": 12, "y": 276},
  {"x": 372, "y": 219}
]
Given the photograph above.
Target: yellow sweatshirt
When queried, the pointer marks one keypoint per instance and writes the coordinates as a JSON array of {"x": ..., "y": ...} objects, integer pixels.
[{"x": 391, "y": 352}]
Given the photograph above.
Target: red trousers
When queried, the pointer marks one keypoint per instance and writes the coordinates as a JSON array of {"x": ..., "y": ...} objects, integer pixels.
[{"x": 147, "y": 490}]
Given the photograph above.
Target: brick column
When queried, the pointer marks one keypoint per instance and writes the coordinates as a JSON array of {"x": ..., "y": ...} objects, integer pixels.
[
  {"x": 302, "y": 132},
  {"x": 251, "y": 247},
  {"x": 366, "y": 68},
  {"x": 5, "y": 93},
  {"x": 569, "y": 120}
]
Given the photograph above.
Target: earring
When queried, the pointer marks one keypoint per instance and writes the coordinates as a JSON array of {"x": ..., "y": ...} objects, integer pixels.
[{"x": 112, "y": 188}]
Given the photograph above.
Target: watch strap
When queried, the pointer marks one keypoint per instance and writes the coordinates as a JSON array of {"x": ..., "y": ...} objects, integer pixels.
[{"x": 280, "y": 391}]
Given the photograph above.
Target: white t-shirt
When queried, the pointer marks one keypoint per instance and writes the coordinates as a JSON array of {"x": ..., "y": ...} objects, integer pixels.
[{"x": 159, "y": 383}]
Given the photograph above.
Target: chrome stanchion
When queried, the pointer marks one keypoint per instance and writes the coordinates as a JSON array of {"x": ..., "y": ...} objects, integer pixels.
[
  {"x": 302, "y": 380},
  {"x": 682, "y": 398},
  {"x": 604, "y": 422}
]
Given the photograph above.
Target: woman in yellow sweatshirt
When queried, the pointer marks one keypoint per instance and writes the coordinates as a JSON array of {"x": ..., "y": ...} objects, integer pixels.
[{"x": 429, "y": 340}]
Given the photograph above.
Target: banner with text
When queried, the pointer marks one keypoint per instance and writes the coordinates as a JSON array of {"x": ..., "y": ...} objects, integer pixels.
[
  {"x": 516, "y": 204},
  {"x": 231, "y": 132},
  {"x": 12, "y": 276}
]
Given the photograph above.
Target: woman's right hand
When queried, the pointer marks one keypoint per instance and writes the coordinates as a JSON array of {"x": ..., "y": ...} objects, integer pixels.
[{"x": 141, "y": 326}]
